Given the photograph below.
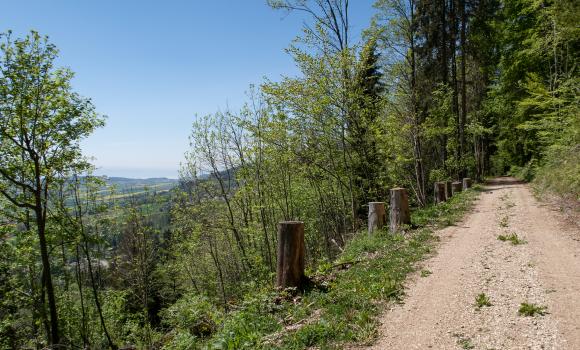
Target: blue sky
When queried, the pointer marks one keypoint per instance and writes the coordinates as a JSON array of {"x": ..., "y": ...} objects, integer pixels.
[{"x": 152, "y": 66}]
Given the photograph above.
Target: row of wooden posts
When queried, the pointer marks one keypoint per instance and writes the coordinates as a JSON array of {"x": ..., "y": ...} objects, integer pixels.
[{"x": 290, "y": 267}]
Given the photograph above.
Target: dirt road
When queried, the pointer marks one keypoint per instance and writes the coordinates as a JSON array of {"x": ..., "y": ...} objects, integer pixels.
[{"x": 439, "y": 310}]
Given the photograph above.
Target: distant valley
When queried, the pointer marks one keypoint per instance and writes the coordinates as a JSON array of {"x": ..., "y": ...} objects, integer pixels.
[{"x": 122, "y": 186}]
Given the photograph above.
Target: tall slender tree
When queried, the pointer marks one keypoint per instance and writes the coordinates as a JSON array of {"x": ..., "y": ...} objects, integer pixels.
[{"x": 41, "y": 123}]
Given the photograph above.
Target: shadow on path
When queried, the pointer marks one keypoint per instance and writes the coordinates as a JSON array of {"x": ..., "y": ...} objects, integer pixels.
[{"x": 504, "y": 181}]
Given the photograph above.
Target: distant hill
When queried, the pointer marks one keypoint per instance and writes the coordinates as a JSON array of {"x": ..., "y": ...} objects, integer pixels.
[
  {"x": 123, "y": 186},
  {"x": 124, "y": 182}
]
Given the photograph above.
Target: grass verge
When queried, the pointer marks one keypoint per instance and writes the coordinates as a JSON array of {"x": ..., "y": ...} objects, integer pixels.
[{"x": 345, "y": 301}]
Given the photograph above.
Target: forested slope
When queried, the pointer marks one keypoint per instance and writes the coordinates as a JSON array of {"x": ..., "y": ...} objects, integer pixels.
[{"x": 434, "y": 91}]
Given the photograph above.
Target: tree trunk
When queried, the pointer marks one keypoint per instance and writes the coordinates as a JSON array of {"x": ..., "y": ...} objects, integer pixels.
[
  {"x": 377, "y": 216},
  {"x": 417, "y": 151},
  {"x": 83, "y": 329},
  {"x": 440, "y": 195},
  {"x": 453, "y": 42},
  {"x": 40, "y": 213},
  {"x": 443, "y": 48},
  {"x": 445, "y": 72},
  {"x": 54, "y": 334},
  {"x": 399, "y": 213},
  {"x": 290, "y": 267},
  {"x": 220, "y": 273},
  {"x": 96, "y": 296},
  {"x": 463, "y": 118}
]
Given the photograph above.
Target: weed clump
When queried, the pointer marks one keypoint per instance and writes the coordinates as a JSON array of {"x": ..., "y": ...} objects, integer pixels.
[
  {"x": 503, "y": 222},
  {"x": 482, "y": 300},
  {"x": 463, "y": 341},
  {"x": 513, "y": 238},
  {"x": 531, "y": 310}
]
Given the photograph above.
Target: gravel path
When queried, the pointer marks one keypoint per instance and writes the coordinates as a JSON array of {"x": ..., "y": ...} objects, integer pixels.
[{"x": 439, "y": 310}]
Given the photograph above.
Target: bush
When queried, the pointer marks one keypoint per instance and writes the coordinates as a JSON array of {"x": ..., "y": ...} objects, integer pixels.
[
  {"x": 525, "y": 173},
  {"x": 253, "y": 319},
  {"x": 561, "y": 172},
  {"x": 342, "y": 304},
  {"x": 193, "y": 313},
  {"x": 181, "y": 340},
  {"x": 437, "y": 175}
]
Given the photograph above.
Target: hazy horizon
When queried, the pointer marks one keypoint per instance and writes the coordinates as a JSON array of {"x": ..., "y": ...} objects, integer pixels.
[{"x": 134, "y": 173}]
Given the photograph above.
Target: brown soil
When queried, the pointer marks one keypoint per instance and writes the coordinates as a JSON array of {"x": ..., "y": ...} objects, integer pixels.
[{"x": 439, "y": 310}]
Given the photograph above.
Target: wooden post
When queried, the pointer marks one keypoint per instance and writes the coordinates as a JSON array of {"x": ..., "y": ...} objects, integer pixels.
[
  {"x": 455, "y": 187},
  {"x": 377, "y": 216},
  {"x": 466, "y": 183},
  {"x": 399, "y": 214},
  {"x": 448, "y": 192},
  {"x": 440, "y": 192},
  {"x": 290, "y": 268}
]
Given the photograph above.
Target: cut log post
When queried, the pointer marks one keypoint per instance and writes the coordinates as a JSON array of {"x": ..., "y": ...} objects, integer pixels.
[
  {"x": 377, "y": 216},
  {"x": 448, "y": 193},
  {"x": 455, "y": 188},
  {"x": 466, "y": 183},
  {"x": 399, "y": 214},
  {"x": 290, "y": 268},
  {"x": 440, "y": 192}
]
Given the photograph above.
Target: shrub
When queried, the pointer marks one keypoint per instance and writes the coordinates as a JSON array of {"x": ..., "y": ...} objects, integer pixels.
[
  {"x": 527, "y": 172},
  {"x": 560, "y": 172},
  {"x": 193, "y": 313}
]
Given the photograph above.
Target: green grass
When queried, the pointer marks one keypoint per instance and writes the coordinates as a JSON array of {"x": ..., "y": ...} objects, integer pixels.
[
  {"x": 482, "y": 300},
  {"x": 531, "y": 310},
  {"x": 513, "y": 238},
  {"x": 446, "y": 213},
  {"x": 344, "y": 304},
  {"x": 463, "y": 341},
  {"x": 425, "y": 273}
]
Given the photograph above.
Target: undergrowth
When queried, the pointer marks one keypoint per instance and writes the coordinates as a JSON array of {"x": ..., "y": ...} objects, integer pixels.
[
  {"x": 345, "y": 298},
  {"x": 559, "y": 173},
  {"x": 556, "y": 174}
]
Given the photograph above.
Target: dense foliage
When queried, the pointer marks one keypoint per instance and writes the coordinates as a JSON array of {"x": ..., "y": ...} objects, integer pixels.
[{"x": 434, "y": 90}]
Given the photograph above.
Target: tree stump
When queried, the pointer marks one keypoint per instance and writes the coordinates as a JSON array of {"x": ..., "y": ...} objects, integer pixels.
[
  {"x": 290, "y": 267},
  {"x": 448, "y": 193},
  {"x": 377, "y": 216},
  {"x": 440, "y": 196},
  {"x": 399, "y": 214},
  {"x": 466, "y": 183},
  {"x": 455, "y": 187}
]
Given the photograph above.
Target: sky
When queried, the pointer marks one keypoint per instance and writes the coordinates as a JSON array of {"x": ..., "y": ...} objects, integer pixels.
[{"x": 151, "y": 67}]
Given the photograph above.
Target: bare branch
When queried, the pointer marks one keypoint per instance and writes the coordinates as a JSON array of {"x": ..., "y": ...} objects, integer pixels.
[{"x": 16, "y": 202}]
